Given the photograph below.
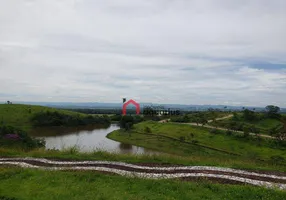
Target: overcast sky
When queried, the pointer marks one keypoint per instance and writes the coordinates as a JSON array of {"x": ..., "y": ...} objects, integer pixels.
[{"x": 229, "y": 52}]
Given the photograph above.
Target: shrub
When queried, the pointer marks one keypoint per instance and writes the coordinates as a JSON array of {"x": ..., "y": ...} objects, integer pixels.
[
  {"x": 277, "y": 159},
  {"x": 126, "y": 122},
  {"x": 195, "y": 141},
  {"x": 182, "y": 138},
  {"x": 13, "y": 136},
  {"x": 246, "y": 131},
  {"x": 55, "y": 118},
  {"x": 228, "y": 132},
  {"x": 147, "y": 129},
  {"x": 214, "y": 131}
]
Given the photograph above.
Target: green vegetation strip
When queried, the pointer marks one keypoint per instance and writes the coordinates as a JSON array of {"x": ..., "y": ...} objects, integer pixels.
[
  {"x": 26, "y": 184},
  {"x": 153, "y": 172},
  {"x": 26, "y": 117},
  {"x": 185, "y": 142}
]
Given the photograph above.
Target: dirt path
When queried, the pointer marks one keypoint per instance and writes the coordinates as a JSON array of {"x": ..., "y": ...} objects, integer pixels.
[
  {"x": 155, "y": 171},
  {"x": 209, "y": 121}
]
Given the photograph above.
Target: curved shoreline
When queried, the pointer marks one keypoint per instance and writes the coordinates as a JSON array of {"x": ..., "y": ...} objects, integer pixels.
[{"x": 269, "y": 180}]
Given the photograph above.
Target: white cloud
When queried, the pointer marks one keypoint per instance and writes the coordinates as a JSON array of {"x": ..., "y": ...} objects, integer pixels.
[{"x": 193, "y": 52}]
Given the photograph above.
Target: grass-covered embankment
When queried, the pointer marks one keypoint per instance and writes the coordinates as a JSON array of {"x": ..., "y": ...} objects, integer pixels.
[
  {"x": 35, "y": 184},
  {"x": 27, "y": 116},
  {"x": 207, "y": 148}
]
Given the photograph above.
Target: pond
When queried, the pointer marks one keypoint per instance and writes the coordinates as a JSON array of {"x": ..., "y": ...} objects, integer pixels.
[{"x": 87, "y": 138}]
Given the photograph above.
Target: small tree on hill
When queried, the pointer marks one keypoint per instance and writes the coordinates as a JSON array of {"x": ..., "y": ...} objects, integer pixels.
[
  {"x": 246, "y": 131},
  {"x": 126, "y": 122},
  {"x": 272, "y": 111},
  {"x": 249, "y": 115}
]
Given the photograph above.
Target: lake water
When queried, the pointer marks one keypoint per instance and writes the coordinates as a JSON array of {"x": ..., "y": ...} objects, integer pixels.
[{"x": 87, "y": 138}]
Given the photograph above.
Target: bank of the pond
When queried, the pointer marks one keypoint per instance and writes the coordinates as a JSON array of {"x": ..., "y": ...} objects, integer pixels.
[
  {"x": 85, "y": 139},
  {"x": 205, "y": 147}
]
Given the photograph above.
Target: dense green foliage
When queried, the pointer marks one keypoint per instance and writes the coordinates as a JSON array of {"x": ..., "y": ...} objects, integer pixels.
[
  {"x": 258, "y": 123},
  {"x": 55, "y": 118},
  {"x": 126, "y": 122},
  {"x": 198, "y": 117},
  {"x": 272, "y": 111},
  {"x": 14, "y": 137}
]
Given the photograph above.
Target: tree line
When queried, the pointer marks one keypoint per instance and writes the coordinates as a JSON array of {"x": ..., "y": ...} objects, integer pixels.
[{"x": 55, "y": 118}]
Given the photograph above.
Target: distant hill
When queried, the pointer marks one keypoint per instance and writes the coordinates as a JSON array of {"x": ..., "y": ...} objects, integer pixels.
[
  {"x": 96, "y": 105},
  {"x": 19, "y": 115}
]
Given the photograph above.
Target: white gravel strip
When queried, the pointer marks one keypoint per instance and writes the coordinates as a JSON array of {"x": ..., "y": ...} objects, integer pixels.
[
  {"x": 201, "y": 168},
  {"x": 153, "y": 175}
]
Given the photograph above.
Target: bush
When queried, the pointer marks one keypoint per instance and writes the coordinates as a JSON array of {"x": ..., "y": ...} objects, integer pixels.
[
  {"x": 214, "y": 131},
  {"x": 277, "y": 159},
  {"x": 228, "y": 132},
  {"x": 15, "y": 137},
  {"x": 126, "y": 122},
  {"x": 116, "y": 117},
  {"x": 246, "y": 131},
  {"x": 195, "y": 141},
  {"x": 55, "y": 118},
  {"x": 147, "y": 129},
  {"x": 182, "y": 138}
]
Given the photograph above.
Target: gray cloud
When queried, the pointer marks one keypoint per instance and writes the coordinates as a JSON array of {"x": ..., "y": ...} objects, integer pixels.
[{"x": 172, "y": 51}]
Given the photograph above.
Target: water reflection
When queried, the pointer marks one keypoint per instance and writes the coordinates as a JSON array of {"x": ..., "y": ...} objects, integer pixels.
[{"x": 87, "y": 138}]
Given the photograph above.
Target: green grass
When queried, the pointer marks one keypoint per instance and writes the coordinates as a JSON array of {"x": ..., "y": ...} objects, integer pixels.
[
  {"x": 252, "y": 153},
  {"x": 18, "y": 115},
  {"x": 35, "y": 184},
  {"x": 264, "y": 125},
  {"x": 73, "y": 153}
]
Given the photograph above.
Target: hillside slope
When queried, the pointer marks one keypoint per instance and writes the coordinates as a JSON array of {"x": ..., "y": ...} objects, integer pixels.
[{"x": 19, "y": 115}]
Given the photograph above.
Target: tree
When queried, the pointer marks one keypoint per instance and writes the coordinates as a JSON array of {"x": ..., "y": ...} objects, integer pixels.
[
  {"x": 254, "y": 130},
  {"x": 203, "y": 120},
  {"x": 273, "y": 131},
  {"x": 272, "y": 111},
  {"x": 235, "y": 117},
  {"x": 249, "y": 115},
  {"x": 225, "y": 108},
  {"x": 246, "y": 131},
  {"x": 232, "y": 125},
  {"x": 279, "y": 131},
  {"x": 126, "y": 122},
  {"x": 197, "y": 120}
]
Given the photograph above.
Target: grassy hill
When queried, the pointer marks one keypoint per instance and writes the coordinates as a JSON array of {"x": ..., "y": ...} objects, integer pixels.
[
  {"x": 19, "y": 116},
  {"x": 215, "y": 148},
  {"x": 262, "y": 123}
]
